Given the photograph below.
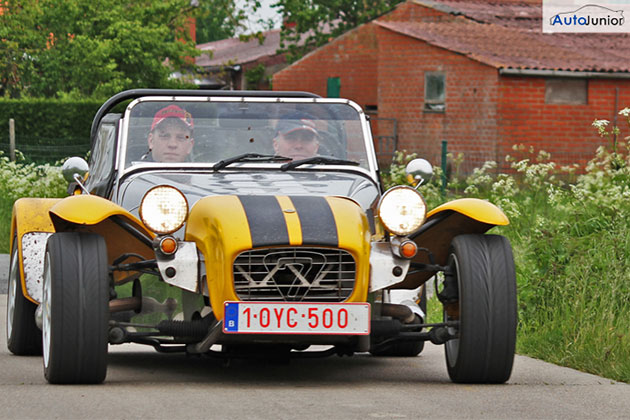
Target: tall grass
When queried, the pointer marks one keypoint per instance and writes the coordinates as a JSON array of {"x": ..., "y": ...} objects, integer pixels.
[{"x": 572, "y": 249}]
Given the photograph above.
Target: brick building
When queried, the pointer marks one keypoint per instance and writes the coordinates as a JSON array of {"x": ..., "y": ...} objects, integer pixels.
[
  {"x": 229, "y": 63},
  {"x": 480, "y": 75}
]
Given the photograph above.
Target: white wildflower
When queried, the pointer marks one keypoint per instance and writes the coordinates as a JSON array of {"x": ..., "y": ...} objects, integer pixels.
[{"x": 471, "y": 190}]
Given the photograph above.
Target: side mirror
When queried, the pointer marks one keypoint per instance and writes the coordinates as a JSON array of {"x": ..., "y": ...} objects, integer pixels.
[
  {"x": 420, "y": 170},
  {"x": 73, "y": 171},
  {"x": 74, "y": 166}
]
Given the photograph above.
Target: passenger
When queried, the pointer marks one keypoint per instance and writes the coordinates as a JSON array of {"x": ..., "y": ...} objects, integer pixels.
[
  {"x": 171, "y": 136},
  {"x": 296, "y": 138}
]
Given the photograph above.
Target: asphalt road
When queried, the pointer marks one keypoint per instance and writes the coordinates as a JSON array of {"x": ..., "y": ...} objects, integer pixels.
[
  {"x": 4, "y": 272},
  {"x": 144, "y": 384}
]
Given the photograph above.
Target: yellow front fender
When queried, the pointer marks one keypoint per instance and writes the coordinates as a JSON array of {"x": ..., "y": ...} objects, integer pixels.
[
  {"x": 90, "y": 210},
  {"x": 479, "y": 210},
  {"x": 30, "y": 217},
  {"x": 443, "y": 224},
  {"x": 90, "y": 213}
]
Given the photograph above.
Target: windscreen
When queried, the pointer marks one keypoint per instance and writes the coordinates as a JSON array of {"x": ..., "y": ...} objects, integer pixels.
[{"x": 208, "y": 132}]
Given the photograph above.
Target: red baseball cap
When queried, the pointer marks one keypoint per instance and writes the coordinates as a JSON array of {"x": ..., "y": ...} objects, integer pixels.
[{"x": 172, "y": 111}]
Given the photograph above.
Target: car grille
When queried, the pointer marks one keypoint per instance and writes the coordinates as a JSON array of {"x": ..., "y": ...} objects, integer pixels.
[{"x": 294, "y": 274}]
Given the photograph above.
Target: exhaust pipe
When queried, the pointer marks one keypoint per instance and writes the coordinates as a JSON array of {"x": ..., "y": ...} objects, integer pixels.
[
  {"x": 143, "y": 305},
  {"x": 400, "y": 312},
  {"x": 133, "y": 303}
]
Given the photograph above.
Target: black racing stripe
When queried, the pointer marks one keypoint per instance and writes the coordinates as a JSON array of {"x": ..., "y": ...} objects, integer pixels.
[
  {"x": 266, "y": 221},
  {"x": 317, "y": 221}
]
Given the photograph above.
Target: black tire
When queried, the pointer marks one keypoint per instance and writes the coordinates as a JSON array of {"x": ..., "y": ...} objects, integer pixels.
[
  {"x": 75, "y": 309},
  {"x": 23, "y": 336},
  {"x": 486, "y": 282},
  {"x": 401, "y": 348}
]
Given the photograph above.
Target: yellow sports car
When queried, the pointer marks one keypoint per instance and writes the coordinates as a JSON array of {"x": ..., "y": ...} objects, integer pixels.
[{"x": 241, "y": 224}]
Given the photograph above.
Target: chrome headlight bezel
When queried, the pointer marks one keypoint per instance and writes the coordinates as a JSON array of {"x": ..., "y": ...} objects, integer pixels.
[
  {"x": 402, "y": 210},
  {"x": 163, "y": 209}
]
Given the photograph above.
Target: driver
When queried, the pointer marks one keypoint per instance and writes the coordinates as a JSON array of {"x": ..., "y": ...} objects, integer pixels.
[
  {"x": 297, "y": 137},
  {"x": 171, "y": 136}
]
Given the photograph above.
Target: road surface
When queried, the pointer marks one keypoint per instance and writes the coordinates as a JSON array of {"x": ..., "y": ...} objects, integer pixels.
[
  {"x": 144, "y": 384},
  {"x": 4, "y": 272}
]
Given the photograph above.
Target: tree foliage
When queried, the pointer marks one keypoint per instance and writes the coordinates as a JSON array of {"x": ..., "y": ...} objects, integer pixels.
[
  {"x": 85, "y": 48},
  {"x": 311, "y": 23},
  {"x": 218, "y": 19}
]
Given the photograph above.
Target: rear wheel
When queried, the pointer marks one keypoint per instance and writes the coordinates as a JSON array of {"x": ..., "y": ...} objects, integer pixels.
[
  {"x": 483, "y": 270},
  {"x": 75, "y": 308},
  {"x": 23, "y": 336}
]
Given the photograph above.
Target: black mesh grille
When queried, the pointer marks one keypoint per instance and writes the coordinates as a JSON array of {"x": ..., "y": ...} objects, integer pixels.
[{"x": 294, "y": 275}]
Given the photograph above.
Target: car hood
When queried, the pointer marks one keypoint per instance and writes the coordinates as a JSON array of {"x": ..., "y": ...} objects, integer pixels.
[{"x": 196, "y": 185}]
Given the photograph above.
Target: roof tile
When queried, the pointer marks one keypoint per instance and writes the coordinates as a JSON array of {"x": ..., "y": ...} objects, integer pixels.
[
  {"x": 520, "y": 47},
  {"x": 235, "y": 51}
]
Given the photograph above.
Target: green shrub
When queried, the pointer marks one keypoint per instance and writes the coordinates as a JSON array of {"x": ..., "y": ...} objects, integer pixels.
[
  {"x": 21, "y": 179},
  {"x": 47, "y": 130}
]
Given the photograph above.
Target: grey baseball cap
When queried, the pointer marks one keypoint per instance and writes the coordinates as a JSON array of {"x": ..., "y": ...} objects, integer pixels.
[{"x": 296, "y": 121}]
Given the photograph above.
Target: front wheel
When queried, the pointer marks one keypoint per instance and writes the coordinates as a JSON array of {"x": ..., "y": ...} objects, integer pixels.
[
  {"x": 75, "y": 308},
  {"x": 23, "y": 336},
  {"x": 483, "y": 273}
]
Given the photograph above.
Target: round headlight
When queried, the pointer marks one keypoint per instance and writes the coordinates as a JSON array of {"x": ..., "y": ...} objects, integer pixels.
[
  {"x": 402, "y": 210},
  {"x": 163, "y": 209}
]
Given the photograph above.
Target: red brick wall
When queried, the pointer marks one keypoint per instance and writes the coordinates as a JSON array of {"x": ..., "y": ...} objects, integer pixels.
[
  {"x": 565, "y": 131},
  {"x": 469, "y": 122},
  {"x": 351, "y": 57}
]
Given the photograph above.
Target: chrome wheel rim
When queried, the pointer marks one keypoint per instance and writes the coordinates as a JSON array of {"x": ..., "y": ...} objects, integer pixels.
[
  {"x": 12, "y": 293},
  {"x": 46, "y": 311},
  {"x": 452, "y": 346}
]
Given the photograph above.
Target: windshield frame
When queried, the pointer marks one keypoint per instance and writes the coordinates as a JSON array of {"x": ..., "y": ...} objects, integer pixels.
[{"x": 122, "y": 171}]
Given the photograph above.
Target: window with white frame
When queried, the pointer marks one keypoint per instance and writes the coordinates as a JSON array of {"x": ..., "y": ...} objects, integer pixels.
[{"x": 434, "y": 91}]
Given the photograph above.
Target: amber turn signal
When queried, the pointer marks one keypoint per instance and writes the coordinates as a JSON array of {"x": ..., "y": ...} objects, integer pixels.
[
  {"x": 168, "y": 245},
  {"x": 408, "y": 249}
]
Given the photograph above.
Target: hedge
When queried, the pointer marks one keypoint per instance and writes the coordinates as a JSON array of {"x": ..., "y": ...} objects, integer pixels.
[{"x": 48, "y": 129}]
